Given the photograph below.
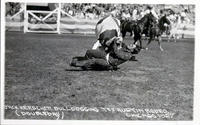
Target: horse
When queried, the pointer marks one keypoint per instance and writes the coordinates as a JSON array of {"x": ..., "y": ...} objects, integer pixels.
[
  {"x": 127, "y": 26},
  {"x": 157, "y": 29},
  {"x": 143, "y": 26}
]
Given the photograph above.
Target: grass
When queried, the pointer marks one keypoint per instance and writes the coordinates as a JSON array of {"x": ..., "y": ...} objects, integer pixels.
[{"x": 38, "y": 73}]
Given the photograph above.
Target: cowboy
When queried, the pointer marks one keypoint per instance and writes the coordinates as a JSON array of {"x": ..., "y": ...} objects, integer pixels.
[
  {"x": 117, "y": 54},
  {"x": 151, "y": 9}
]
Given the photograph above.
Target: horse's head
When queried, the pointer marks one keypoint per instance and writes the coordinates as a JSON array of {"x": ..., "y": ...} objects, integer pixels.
[
  {"x": 151, "y": 19},
  {"x": 165, "y": 20},
  {"x": 164, "y": 24}
]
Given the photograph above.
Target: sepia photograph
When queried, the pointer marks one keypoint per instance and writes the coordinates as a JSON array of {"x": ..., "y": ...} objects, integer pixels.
[{"x": 98, "y": 61}]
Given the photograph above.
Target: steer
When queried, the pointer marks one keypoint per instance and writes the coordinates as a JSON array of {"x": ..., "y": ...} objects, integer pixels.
[{"x": 106, "y": 29}]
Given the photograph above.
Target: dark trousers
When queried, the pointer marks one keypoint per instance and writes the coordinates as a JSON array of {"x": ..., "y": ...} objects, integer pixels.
[
  {"x": 93, "y": 59},
  {"x": 96, "y": 59},
  {"x": 99, "y": 54}
]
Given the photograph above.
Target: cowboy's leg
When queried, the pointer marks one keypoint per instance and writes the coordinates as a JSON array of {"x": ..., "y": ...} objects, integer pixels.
[
  {"x": 90, "y": 54},
  {"x": 78, "y": 61},
  {"x": 96, "y": 64},
  {"x": 95, "y": 54}
]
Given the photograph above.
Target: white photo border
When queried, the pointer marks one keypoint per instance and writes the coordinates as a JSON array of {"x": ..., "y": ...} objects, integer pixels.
[{"x": 196, "y": 98}]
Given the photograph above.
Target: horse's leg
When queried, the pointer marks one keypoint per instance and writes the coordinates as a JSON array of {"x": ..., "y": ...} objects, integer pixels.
[
  {"x": 123, "y": 34},
  {"x": 169, "y": 37},
  {"x": 131, "y": 33},
  {"x": 159, "y": 43},
  {"x": 175, "y": 37},
  {"x": 140, "y": 40},
  {"x": 149, "y": 41},
  {"x": 136, "y": 38}
]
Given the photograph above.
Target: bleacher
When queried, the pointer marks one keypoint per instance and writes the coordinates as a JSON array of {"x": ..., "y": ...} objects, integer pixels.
[{"x": 73, "y": 24}]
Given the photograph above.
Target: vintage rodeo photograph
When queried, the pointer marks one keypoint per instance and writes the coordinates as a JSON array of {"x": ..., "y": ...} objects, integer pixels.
[{"x": 99, "y": 61}]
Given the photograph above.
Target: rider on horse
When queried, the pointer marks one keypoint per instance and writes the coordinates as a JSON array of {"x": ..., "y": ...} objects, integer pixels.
[{"x": 150, "y": 9}]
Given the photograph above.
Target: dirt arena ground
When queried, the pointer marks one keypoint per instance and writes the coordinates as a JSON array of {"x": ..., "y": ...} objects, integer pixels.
[{"x": 38, "y": 74}]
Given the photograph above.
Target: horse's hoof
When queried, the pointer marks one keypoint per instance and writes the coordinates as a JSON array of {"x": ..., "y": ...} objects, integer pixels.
[
  {"x": 146, "y": 48},
  {"x": 162, "y": 50}
]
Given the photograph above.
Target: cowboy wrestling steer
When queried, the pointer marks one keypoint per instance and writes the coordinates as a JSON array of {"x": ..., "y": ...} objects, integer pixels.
[{"x": 96, "y": 59}]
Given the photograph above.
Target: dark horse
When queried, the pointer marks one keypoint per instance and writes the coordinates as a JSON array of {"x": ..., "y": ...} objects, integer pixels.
[
  {"x": 138, "y": 27},
  {"x": 157, "y": 29},
  {"x": 143, "y": 26},
  {"x": 147, "y": 26},
  {"x": 127, "y": 26}
]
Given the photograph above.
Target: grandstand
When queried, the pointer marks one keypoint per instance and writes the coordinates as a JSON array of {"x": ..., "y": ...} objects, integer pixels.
[{"x": 78, "y": 17}]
